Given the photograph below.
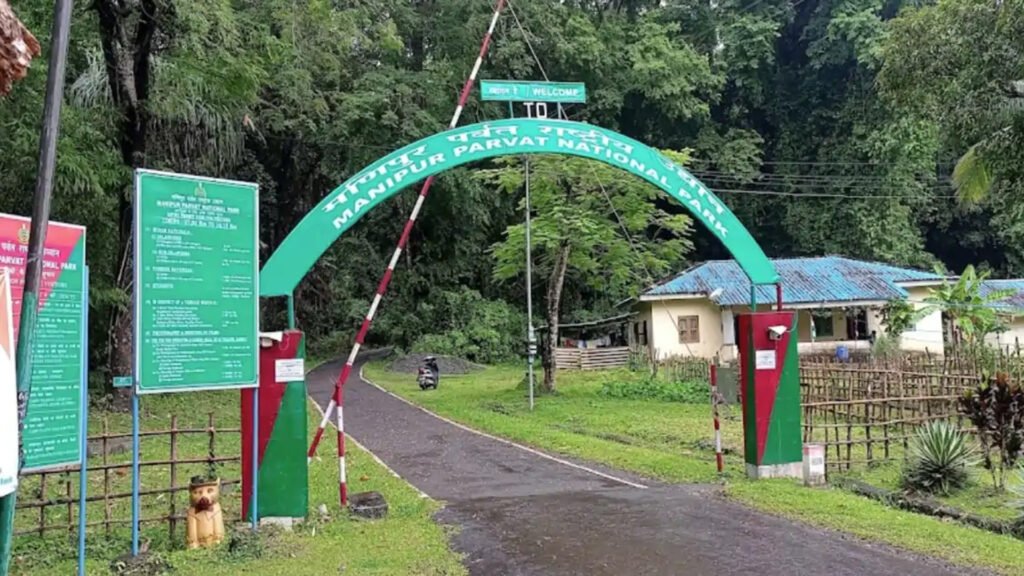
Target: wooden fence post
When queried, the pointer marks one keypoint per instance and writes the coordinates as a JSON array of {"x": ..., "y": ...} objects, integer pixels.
[
  {"x": 106, "y": 479},
  {"x": 42, "y": 509},
  {"x": 71, "y": 503},
  {"x": 213, "y": 439}
]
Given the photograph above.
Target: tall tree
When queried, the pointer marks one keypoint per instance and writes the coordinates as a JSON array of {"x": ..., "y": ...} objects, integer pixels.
[
  {"x": 799, "y": 144},
  {"x": 180, "y": 90},
  {"x": 590, "y": 222}
]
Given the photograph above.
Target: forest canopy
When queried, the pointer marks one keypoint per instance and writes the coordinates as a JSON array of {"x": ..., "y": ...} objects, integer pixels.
[{"x": 886, "y": 130}]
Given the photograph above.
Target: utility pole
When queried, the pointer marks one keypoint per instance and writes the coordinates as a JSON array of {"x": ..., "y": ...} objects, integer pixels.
[
  {"x": 531, "y": 338},
  {"x": 37, "y": 236}
]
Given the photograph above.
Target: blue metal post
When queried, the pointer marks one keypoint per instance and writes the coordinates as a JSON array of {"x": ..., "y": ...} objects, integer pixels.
[
  {"x": 254, "y": 510},
  {"x": 83, "y": 467},
  {"x": 753, "y": 298},
  {"x": 291, "y": 311}
]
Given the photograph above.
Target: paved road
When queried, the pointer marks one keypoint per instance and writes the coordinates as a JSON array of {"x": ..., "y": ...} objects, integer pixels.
[{"x": 522, "y": 514}]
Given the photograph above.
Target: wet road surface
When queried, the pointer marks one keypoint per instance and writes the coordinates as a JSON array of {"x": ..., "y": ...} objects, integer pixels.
[{"x": 522, "y": 514}]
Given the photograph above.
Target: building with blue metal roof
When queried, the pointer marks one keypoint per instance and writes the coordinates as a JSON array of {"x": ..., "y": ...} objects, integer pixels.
[
  {"x": 839, "y": 301},
  {"x": 1010, "y": 309},
  {"x": 805, "y": 281}
]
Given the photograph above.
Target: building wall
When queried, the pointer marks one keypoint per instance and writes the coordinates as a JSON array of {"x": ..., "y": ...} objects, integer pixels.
[
  {"x": 714, "y": 339},
  {"x": 875, "y": 321},
  {"x": 1011, "y": 337},
  {"x": 664, "y": 338},
  {"x": 926, "y": 335}
]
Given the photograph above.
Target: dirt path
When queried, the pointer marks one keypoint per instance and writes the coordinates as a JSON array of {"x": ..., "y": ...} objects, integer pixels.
[{"x": 523, "y": 514}]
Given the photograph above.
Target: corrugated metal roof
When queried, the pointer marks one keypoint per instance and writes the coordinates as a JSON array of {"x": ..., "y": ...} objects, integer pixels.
[
  {"x": 804, "y": 281},
  {"x": 1013, "y": 302}
]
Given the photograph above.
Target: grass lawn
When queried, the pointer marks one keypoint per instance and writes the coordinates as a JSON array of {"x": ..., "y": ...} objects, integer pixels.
[
  {"x": 640, "y": 435},
  {"x": 672, "y": 441},
  {"x": 408, "y": 542}
]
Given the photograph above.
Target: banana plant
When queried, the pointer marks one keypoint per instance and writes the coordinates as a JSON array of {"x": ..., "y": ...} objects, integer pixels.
[{"x": 972, "y": 313}]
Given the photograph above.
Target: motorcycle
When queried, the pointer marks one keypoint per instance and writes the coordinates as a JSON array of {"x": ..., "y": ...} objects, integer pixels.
[{"x": 429, "y": 374}]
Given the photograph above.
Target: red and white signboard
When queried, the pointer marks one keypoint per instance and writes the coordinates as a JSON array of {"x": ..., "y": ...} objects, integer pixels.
[{"x": 8, "y": 392}]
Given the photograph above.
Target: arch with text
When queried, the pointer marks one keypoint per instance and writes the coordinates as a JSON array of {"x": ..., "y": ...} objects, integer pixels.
[{"x": 347, "y": 203}]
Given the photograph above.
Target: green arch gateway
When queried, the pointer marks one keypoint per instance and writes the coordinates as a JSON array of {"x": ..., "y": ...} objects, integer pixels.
[
  {"x": 347, "y": 203},
  {"x": 771, "y": 388}
]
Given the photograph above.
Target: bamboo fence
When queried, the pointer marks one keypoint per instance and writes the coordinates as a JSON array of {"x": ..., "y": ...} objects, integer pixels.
[
  {"x": 865, "y": 414},
  {"x": 865, "y": 411}
]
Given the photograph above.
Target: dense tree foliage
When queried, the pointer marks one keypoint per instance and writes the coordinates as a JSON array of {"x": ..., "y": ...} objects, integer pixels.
[
  {"x": 597, "y": 229},
  {"x": 958, "y": 67},
  {"x": 828, "y": 126}
]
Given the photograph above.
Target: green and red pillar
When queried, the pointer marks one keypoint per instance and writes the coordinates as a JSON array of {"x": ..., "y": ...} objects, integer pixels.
[
  {"x": 283, "y": 473},
  {"x": 770, "y": 382}
]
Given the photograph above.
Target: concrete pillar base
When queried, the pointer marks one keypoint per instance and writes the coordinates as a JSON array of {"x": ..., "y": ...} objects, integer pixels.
[{"x": 791, "y": 470}]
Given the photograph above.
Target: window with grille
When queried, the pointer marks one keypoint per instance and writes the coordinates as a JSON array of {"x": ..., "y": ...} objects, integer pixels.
[{"x": 689, "y": 329}]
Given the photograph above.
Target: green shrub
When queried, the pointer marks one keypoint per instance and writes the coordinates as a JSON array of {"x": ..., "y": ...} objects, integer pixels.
[
  {"x": 653, "y": 388},
  {"x": 330, "y": 346},
  {"x": 940, "y": 460},
  {"x": 886, "y": 348},
  {"x": 898, "y": 316},
  {"x": 467, "y": 325}
]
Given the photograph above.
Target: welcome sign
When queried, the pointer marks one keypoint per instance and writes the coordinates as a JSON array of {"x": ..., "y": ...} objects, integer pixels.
[{"x": 510, "y": 91}]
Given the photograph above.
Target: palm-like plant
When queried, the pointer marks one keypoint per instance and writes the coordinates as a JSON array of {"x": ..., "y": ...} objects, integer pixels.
[
  {"x": 940, "y": 460},
  {"x": 972, "y": 175},
  {"x": 972, "y": 315}
]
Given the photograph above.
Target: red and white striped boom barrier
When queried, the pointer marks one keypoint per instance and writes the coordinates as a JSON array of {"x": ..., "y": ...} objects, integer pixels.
[
  {"x": 337, "y": 398},
  {"x": 714, "y": 412}
]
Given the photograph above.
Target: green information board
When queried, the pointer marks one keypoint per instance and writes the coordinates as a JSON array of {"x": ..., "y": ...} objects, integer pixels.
[
  {"x": 196, "y": 283},
  {"x": 55, "y": 406},
  {"x": 511, "y": 91}
]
